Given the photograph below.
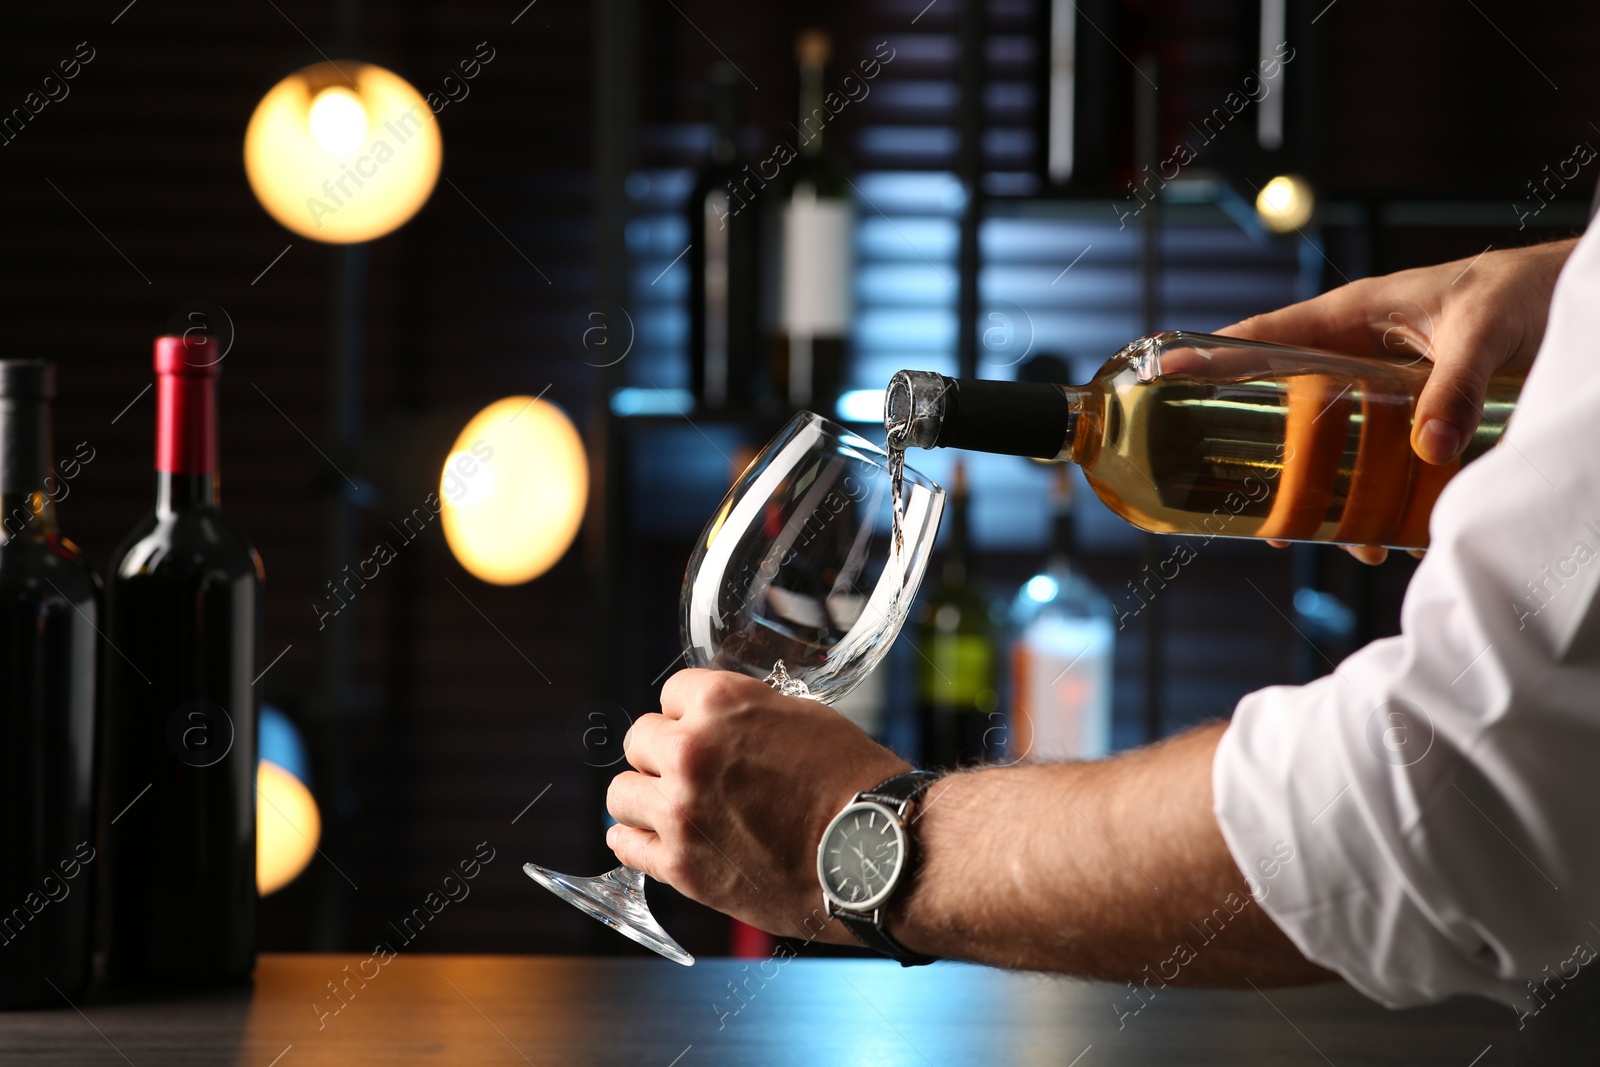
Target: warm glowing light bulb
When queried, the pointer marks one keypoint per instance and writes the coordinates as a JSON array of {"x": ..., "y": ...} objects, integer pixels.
[
  {"x": 513, "y": 490},
  {"x": 288, "y": 827},
  {"x": 338, "y": 121},
  {"x": 471, "y": 491},
  {"x": 1285, "y": 203},
  {"x": 342, "y": 152}
]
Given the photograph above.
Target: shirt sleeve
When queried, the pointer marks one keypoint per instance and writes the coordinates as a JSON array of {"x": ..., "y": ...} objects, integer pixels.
[{"x": 1422, "y": 819}]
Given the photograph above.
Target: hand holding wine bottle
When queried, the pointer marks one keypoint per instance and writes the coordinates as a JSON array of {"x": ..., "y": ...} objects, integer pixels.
[{"x": 1474, "y": 318}]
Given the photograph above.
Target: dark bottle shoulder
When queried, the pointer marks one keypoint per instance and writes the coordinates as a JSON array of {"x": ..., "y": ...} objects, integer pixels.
[
  {"x": 738, "y": 184},
  {"x": 181, "y": 543},
  {"x": 824, "y": 173},
  {"x": 717, "y": 176},
  {"x": 967, "y": 598},
  {"x": 46, "y": 566}
]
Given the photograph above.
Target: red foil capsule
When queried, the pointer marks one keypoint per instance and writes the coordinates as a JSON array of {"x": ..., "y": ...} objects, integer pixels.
[{"x": 186, "y": 404}]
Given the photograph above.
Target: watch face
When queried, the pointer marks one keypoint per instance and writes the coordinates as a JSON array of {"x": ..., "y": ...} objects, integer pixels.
[{"x": 861, "y": 856}]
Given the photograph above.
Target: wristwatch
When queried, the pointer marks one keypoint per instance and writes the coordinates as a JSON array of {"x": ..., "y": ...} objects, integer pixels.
[{"x": 865, "y": 857}]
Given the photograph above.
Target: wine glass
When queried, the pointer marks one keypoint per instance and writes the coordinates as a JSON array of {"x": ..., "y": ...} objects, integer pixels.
[{"x": 796, "y": 581}]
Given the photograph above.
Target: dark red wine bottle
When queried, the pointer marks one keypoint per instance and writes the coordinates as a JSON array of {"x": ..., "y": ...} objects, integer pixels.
[
  {"x": 184, "y": 609},
  {"x": 49, "y": 608}
]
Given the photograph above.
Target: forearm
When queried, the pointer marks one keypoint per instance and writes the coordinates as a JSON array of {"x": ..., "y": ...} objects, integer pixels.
[{"x": 1114, "y": 869}]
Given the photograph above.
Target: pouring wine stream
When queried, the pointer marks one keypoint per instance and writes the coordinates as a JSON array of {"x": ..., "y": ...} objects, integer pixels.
[{"x": 894, "y": 444}]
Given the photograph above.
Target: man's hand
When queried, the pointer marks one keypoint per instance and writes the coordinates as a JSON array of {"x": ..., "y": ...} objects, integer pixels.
[
  {"x": 733, "y": 787},
  {"x": 1089, "y": 868},
  {"x": 1473, "y": 318}
]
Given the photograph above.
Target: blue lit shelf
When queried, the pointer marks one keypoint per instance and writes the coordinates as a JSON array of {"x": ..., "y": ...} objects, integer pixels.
[{"x": 644, "y": 406}]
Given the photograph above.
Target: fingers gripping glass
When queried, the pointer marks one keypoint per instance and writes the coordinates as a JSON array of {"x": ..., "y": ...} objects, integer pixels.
[{"x": 796, "y": 581}]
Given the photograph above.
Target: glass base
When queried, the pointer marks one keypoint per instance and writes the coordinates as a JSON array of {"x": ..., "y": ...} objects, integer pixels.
[{"x": 616, "y": 898}]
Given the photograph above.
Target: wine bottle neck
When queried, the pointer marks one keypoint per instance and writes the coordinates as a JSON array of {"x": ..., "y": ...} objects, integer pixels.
[
  {"x": 813, "y": 117},
  {"x": 725, "y": 123},
  {"x": 927, "y": 410},
  {"x": 724, "y": 150},
  {"x": 186, "y": 427},
  {"x": 185, "y": 492},
  {"x": 25, "y": 515},
  {"x": 26, "y": 501},
  {"x": 1063, "y": 538},
  {"x": 957, "y": 567}
]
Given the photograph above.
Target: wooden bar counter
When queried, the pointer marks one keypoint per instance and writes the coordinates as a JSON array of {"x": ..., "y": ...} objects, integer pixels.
[{"x": 485, "y": 1010}]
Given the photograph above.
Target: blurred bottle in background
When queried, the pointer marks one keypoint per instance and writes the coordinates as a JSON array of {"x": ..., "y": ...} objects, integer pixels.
[
  {"x": 817, "y": 241},
  {"x": 724, "y": 231},
  {"x": 1084, "y": 131},
  {"x": 1062, "y": 657},
  {"x": 957, "y": 638},
  {"x": 184, "y": 619},
  {"x": 49, "y": 614}
]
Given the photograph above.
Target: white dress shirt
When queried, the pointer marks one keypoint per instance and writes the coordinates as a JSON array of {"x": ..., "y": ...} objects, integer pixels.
[{"x": 1438, "y": 794}]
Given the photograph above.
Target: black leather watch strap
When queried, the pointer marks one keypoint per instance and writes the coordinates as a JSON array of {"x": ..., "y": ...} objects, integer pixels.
[
  {"x": 871, "y": 930},
  {"x": 879, "y": 939},
  {"x": 901, "y": 788}
]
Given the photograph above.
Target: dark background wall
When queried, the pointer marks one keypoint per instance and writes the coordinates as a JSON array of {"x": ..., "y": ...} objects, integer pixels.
[{"x": 128, "y": 198}]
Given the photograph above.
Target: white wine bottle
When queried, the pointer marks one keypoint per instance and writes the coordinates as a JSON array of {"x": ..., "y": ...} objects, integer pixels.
[
  {"x": 817, "y": 269},
  {"x": 1187, "y": 433},
  {"x": 1063, "y": 655}
]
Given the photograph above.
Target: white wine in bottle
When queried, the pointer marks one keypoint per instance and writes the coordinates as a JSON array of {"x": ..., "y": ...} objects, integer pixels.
[{"x": 1187, "y": 433}]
